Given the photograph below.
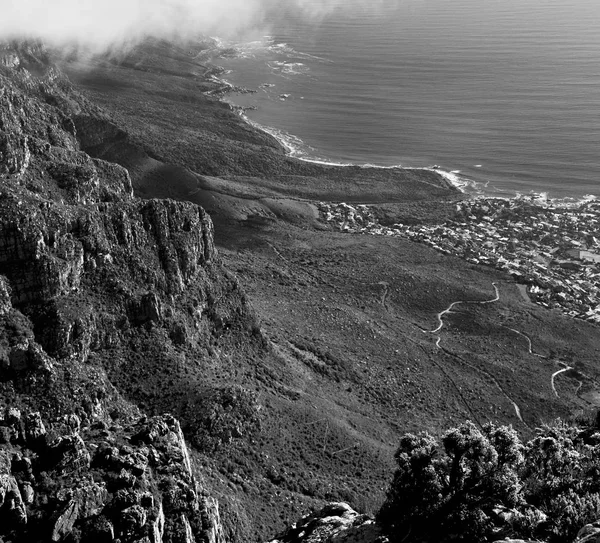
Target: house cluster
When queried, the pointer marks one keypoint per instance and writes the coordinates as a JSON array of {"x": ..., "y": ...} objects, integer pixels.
[{"x": 553, "y": 248}]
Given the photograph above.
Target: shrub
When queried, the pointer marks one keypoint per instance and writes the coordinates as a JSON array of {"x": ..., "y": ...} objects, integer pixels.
[
  {"x": 478, "y": 485},
  {"x": 452, "y": 488},
  {"x": 222, "y": 415},
  {"x": 562, "y": 478}
]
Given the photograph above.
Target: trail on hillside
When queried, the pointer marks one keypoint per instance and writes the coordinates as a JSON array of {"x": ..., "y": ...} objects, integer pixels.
[
  {"x": 440, "y": 318},
  {"x": 553, "y": 377},
  {"x": 528, "y": 340},
  {"x": 493, "y": 379},
  {"x": 448, "y": 310}
]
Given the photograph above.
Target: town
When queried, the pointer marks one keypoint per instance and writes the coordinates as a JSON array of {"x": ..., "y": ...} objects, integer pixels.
[{"x": 551, "y": 248}]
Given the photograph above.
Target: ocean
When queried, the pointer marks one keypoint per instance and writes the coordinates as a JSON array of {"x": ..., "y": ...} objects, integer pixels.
[{"x": 503, "y": 94}]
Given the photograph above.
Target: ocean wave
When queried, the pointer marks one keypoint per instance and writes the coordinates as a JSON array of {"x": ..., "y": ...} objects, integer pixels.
[
  {"x": 285, "y": 68},
  {"x": 293, "y": 145},
  {"x": 542, "y": 199},
  {"x": 287, "y": 50},
  {"x": 453, "y": 177},
  {"x": 265, "y": 47}
]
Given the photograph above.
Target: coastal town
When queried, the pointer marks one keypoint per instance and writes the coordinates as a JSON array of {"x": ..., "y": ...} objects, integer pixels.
[{"x": 551, "y": 248}]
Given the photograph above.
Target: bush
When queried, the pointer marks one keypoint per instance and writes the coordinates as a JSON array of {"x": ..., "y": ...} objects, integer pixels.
[
  {"x": 454, "y": 486},
  {"x": 222, "y": 415},
  {"x": 562, "y": 478},
  {"x": 478, "y": 485}
]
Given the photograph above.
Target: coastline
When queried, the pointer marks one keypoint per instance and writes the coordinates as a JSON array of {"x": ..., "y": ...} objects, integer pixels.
[
  {"x": 477, "y": 178},
  {"x": 291, "y": 144},
  {"x": 285, "y": 140},
  {"x": 452, "y": 177},
  {"x": 558, "y": 280}
]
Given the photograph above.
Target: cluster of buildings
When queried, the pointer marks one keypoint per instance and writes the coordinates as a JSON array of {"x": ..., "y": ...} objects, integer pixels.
[{"x": 553, "y": 248}]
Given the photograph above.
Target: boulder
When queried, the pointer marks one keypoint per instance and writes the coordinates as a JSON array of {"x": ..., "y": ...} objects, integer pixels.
[
  {"x": 72, "y": 454},
  {"x": 335, "y": 523},
  {"x": 27, "y": 493},
  {"x": 590, "y": 533},
  {"x": 11, "y": 501},
  {"x": 28, "y": 356},
  {"x": 35, "y": 431},
  {"x": 63, "y": 525}
]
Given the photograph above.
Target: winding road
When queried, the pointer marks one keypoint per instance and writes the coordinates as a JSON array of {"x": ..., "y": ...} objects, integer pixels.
[
  {"x": 554, "y": 375},
  {"x": 528, "y": 339},
  {"x": 440, "y": 318},
  {"x": 454, "y": 304}
]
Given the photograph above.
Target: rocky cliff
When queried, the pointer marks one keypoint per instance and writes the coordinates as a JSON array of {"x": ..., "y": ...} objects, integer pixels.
[
  {"x": 104, "y": 299},
  {"x": 127, "y": 481}
]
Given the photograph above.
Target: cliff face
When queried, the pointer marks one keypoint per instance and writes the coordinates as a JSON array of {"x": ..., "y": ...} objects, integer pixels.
[
  {"x": 125, "y": 482},
  {"x": 104, "y": 298}
]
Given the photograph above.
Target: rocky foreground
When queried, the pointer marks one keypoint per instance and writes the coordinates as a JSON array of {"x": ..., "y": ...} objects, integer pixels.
[
  {"x": 339, "y": 523},
  {"x": 128, "y": 481}
]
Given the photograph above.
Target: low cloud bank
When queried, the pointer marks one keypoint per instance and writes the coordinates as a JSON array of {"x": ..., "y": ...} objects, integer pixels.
[{"x": 106, "y": 24}]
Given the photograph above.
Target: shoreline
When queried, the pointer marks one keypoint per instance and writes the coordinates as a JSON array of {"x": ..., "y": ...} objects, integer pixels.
[
  {"x": 286, "y": 140},
  {"x": 293, "y": 152},
  {"x": 295, "y": 147},
  {"x": 452, "y": 177}
]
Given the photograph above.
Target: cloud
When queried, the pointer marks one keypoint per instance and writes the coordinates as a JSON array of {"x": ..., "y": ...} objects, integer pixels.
[{"x": 104, "y": 24}]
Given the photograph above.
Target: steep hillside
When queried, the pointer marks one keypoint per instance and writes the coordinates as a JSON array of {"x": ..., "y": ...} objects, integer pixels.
[{"x": 108, "y": 304}]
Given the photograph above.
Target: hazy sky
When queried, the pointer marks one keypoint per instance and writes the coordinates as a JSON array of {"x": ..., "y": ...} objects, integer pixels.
[{"x": 100, "y": 24}]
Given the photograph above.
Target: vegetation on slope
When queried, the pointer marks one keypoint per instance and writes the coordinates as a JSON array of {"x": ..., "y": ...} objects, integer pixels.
[{"x": 482, "y": 484}]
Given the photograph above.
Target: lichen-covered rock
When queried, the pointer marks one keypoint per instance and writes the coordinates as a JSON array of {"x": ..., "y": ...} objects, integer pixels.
[{"x": 335, "y": 523}]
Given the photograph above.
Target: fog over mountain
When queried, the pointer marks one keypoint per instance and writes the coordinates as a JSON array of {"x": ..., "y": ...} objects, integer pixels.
[{"x": 104, "y": 24}]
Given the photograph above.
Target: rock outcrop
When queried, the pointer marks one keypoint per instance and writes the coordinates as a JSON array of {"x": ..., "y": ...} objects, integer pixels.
[
  {"x": 131, "y": 481},
  {"x": 335, "y": 523},
  {"x": 88, "y": 267}
]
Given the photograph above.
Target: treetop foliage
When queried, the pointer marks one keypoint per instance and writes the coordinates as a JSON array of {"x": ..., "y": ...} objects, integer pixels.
[{"x": 483, "y": 484}]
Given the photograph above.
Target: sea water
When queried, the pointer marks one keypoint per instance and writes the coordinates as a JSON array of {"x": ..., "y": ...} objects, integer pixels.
[{"x": 505, "y": 94}]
